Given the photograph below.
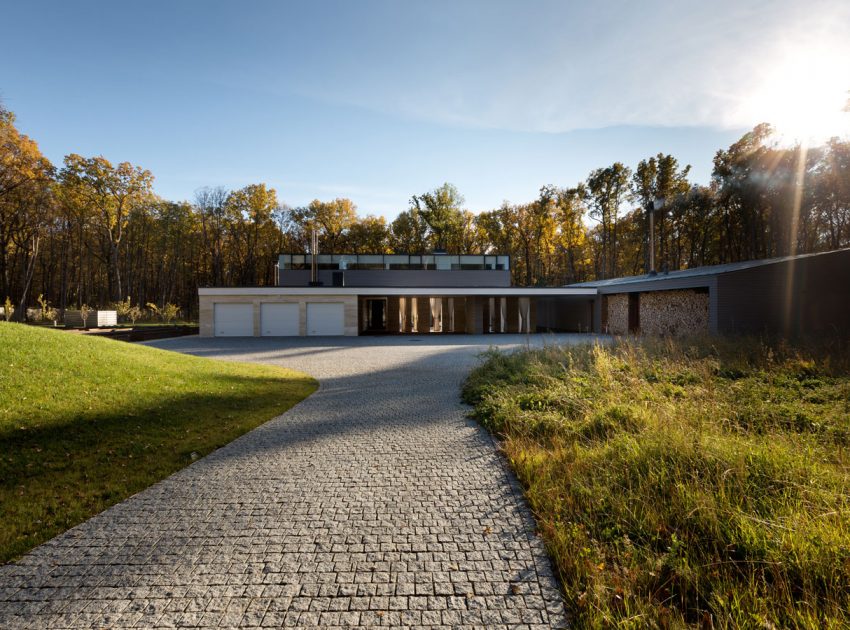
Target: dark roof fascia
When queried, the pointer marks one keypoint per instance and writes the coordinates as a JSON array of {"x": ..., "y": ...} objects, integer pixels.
[
  {"x": 367, "y": 286},
  {"x": 662, "y": 284}
]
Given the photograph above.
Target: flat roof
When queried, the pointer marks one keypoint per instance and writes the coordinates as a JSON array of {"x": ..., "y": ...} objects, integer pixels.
[{"x": 413, "y": 291}]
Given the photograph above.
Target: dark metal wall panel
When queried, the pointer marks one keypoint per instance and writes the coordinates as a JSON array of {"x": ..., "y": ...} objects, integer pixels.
[{"x": 798, "y": 297}]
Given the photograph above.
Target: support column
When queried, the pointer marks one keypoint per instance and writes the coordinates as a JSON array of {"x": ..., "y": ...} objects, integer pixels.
[
  {"x": 532, "y": 317},
  {"x": 423, "y": 314},
  {"x": 460, "y": 314},
  {"x": 448, "y": 316},
  {"x": 407, "y": 307},
  {"x": 393, "y": 313},
  {"x": 497, "y": 314},
  {"x": 476, "y": 315},
  {"x": 512, "y": 324},
  {"x": 362, "y": 315},
  {"x": 525, "y": 314}
]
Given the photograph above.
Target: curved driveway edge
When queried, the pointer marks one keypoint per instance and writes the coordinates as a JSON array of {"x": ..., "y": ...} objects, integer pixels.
[{"x": 374, "y": 502}]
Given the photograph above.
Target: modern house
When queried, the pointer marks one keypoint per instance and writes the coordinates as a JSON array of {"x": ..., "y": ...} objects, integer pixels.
[
  {"x": 793, "y": 295},
  {"x": 353, "y": 294}
]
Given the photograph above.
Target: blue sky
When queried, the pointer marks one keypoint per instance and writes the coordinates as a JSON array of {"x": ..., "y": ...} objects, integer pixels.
[{"x": 378, "y": 101}]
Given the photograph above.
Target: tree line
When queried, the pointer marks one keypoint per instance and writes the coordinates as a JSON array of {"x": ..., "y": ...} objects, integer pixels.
[{"x": 93, "y": 232}]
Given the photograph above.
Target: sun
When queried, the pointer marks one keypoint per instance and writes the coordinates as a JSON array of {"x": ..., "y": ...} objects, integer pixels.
[{"x": 804, "y": 95}]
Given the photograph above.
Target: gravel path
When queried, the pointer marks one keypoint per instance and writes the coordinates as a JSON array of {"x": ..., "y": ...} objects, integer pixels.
[{"x": 375, "y": 502}]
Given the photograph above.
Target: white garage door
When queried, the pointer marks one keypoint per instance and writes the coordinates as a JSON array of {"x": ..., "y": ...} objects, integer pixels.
[
  {"x": 325, "y": 319},
  {"x": 279, "y": 320},
  {"x": 234, "y": 320}
]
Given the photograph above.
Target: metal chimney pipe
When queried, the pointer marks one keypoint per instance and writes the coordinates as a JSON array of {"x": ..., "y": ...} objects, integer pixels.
[
  {"x": 314, "y": 258},
  {"x": 657, "y": 204}
]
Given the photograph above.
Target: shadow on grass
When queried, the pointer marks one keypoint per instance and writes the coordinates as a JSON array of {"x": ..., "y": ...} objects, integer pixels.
[{"x": 56, "y": 474}]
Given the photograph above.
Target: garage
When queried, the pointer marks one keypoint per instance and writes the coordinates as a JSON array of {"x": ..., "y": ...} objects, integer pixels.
[
  {"x": 279, "y": 320},
  {"x": 325, "y": 319},
  {"x": 234, "y": 320}
]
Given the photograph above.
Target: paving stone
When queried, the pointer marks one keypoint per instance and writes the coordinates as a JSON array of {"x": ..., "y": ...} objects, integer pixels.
[{"x": 375, "y": 501}]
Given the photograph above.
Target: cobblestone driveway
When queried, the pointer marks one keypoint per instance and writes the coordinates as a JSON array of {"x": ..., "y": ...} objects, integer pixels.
[{"x": 375, "y": 502}]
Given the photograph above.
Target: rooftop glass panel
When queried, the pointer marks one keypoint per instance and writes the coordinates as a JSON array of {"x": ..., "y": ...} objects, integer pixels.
[{"x": 444, "y": 262}]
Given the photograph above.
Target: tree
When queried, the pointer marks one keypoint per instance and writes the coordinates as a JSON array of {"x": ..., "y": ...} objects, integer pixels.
[
  {"x": 26, "y": 206},
  {"x": 569, "y": 210},
  {"x": 408, "y": 233},
  {"x": 441, "y": 211},
  {"x": 369, "y": 235},
  {"x": 107, "y": 194},
  {"x": 252, "y": 209},
  {"x": 607, "y": 190},
  {"x": 658, "y": 177},
  {"x": 332, "y": 218},
  {"x": 831, "y": 196},
  {"x": 216, "y": 222}
]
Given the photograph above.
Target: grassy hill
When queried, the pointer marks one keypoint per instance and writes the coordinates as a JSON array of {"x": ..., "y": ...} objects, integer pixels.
[
  {"x": 85, "y": 422},
  {"x": 684, "y": 484}
]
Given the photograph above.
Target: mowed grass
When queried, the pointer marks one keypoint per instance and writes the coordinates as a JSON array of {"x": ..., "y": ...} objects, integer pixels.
[
  {"x": 87, "y": 422},
  {"x": 696, "y": 484}
]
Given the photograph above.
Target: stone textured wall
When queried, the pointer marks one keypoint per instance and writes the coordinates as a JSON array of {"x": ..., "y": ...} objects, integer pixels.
[
  {"x": 618, "y": 313},
  {"x": 674, "y": 313}
]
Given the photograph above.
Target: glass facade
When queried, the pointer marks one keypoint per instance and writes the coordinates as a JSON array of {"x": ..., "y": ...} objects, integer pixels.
[{"x": 438, "y": 262}]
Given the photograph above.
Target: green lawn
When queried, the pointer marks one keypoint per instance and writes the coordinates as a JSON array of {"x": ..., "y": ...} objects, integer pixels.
[
  {"x": 87, "y": 422},
  {"x": 700, "y": 484}
]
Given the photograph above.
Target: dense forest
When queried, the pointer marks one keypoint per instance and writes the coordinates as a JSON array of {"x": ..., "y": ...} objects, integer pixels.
[{"x": 90, "y": 231}]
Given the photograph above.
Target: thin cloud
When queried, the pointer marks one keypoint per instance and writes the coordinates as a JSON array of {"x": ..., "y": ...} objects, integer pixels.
[{"x": 654, "y": 63}]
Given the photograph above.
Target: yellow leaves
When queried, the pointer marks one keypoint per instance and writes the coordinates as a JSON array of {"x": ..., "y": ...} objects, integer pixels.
[
  {"x": 94, "y": 188},
  {"x": 254, "y": 202},
  {"x": 21, "y": 162}
]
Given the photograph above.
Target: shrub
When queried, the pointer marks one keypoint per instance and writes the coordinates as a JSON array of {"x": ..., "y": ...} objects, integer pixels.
[
  {"x": 8, "y": 309},
  {"x": 85, "y": 311},
  {"x": 48, "y": 313},
  {"x": 170, "y": 312},
  {"x": 122, "y": 308},
  {"x": 167, "y": 313},
  {"x": 134, "y": 313}
]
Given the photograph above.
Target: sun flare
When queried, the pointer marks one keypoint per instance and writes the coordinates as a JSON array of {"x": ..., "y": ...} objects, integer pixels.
[{"x": 804, "y": 95}]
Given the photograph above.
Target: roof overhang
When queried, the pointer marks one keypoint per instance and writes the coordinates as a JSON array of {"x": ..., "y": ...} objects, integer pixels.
[{"x": 387, "y": 291}]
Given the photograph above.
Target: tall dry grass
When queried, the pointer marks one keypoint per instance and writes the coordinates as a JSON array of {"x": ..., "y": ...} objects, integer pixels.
[{"x": 697, "y": 483}]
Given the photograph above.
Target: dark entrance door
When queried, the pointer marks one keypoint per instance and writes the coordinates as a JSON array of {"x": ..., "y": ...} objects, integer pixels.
[
  {"x": 377, "y": 310},
  {"x": 634, "y": 312}
]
